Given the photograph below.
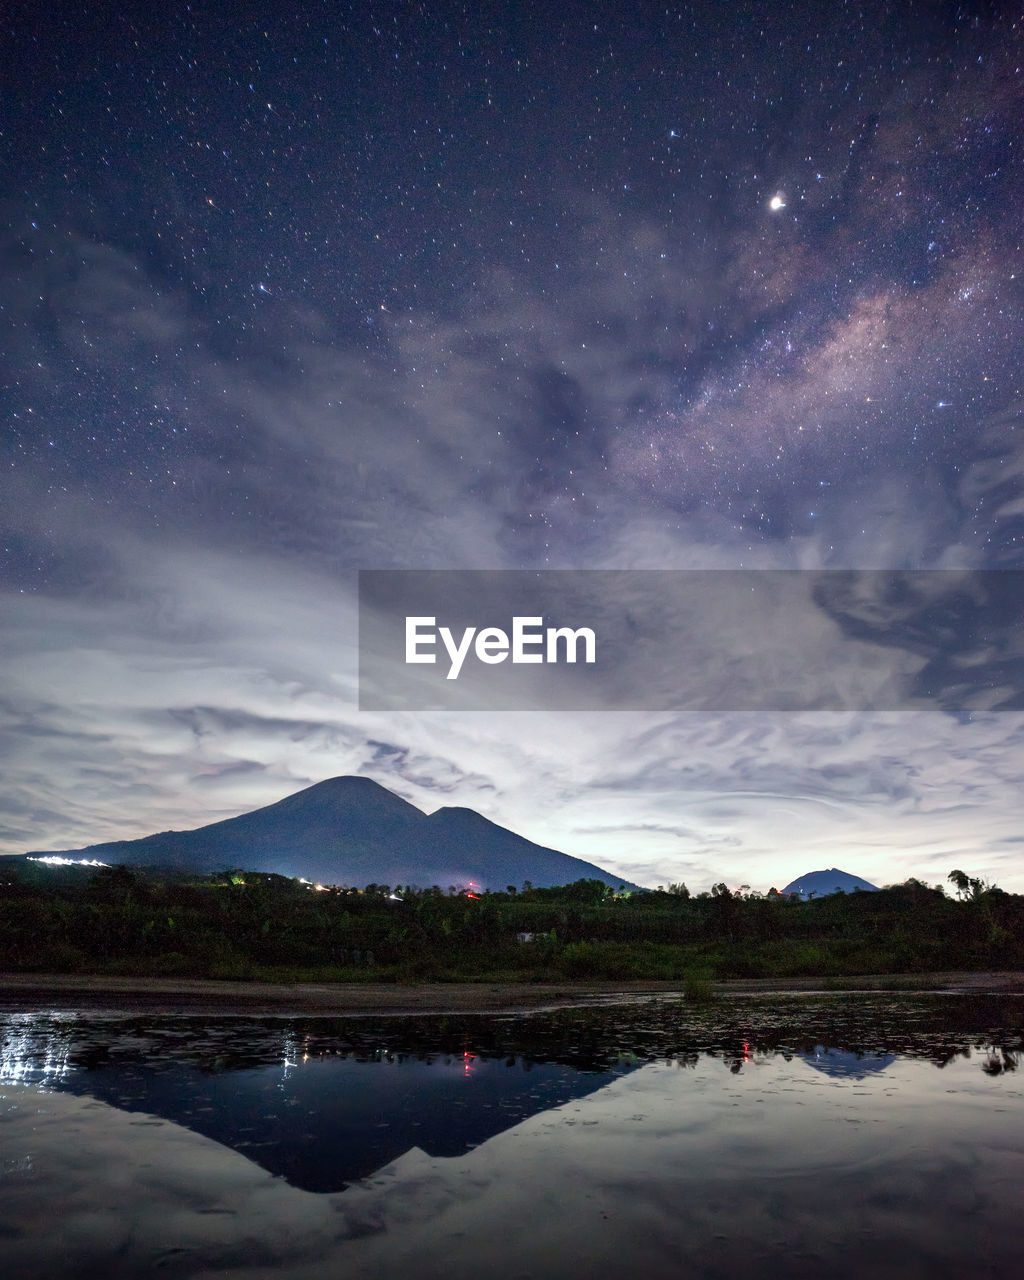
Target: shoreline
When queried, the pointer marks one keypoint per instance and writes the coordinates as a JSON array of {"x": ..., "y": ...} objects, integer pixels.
[{"x": 121, "y": 995}]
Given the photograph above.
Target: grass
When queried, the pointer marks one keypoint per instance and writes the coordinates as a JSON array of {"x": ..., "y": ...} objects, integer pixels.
[{"x": 697, "y": 987}]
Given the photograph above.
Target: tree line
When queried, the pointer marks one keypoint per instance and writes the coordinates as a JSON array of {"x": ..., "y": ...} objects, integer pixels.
[{"x": 240, "y": 924}]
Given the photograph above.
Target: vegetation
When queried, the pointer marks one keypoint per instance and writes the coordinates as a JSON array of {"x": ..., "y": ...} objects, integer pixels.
[{"x": 246, "y": 925}]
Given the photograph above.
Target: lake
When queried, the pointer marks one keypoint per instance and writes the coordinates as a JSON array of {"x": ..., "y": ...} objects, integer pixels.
[{"x": 846, "y": 1135}]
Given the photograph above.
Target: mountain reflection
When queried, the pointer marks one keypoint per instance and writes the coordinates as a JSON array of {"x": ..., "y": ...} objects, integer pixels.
[
  {"x": 324, "y": 1102},
  {"x": 845, "y": 1065}
]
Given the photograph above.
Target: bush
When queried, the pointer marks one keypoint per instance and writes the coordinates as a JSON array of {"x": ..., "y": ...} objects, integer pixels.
[{"x": 697, "y": 986}]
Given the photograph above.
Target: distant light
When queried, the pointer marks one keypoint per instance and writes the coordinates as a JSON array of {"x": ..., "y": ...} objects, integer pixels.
[
  {"x": 54, "y": 861},
  {"x": 776, "y": 203}
]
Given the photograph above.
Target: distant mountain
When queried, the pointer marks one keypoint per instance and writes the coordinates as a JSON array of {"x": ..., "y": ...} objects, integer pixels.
[
  {"x": 820, "y": 883},
  {"x": 353, "y": 831}
]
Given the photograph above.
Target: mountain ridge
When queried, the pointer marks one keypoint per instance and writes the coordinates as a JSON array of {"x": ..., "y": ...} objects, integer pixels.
[{"x": 352, "y": 830}]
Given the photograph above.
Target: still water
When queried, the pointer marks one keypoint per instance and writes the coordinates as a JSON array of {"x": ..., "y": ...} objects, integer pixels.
[{"x": 847, "y": 1136}]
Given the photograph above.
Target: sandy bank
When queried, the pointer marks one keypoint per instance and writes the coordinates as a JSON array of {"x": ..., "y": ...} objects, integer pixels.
[{"x": 192, "y": 995}]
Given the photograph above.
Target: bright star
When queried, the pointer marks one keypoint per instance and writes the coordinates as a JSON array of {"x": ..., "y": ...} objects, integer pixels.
[{"x": 776, "y": 203}]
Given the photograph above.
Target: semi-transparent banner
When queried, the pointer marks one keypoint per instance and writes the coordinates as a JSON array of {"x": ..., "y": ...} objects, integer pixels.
[{"x": 699, "y": 640}]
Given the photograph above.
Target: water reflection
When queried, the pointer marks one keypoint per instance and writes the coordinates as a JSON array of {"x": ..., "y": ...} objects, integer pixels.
[
  {"x": 836, "y": 1062},
  {"x": 320, "y": 1102},
  {"x": 324, "y": 1102},
  {"x": 855, "y": 1137},
  {"x": 35, "y": 1048}
]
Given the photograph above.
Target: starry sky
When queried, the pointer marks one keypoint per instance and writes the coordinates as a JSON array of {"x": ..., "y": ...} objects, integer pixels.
[{"x": 294, "y": 291}]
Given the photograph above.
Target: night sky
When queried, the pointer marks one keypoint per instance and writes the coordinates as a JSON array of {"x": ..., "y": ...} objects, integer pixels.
[{"x": 290, "y": 292}]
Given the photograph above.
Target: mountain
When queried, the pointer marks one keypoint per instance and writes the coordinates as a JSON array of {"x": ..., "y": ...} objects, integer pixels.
[
  {"x": 819, "y": 883},
  {"x": 353, "y": 831}
]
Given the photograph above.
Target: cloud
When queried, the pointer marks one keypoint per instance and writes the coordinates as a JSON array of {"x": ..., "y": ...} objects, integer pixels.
[
  {"x": 684, "y": 393},
  {"x": 207, "y": 685}
]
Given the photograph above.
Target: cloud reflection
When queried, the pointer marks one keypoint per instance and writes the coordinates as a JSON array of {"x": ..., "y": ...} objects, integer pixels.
[{"x": 767, "y": 1171}]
